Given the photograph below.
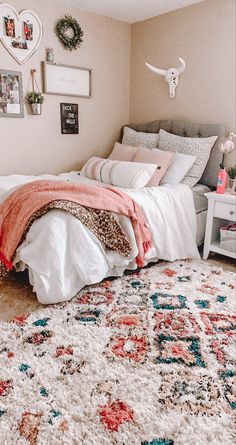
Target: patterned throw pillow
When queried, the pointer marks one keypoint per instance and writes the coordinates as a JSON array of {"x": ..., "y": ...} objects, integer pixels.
[
  {"x": 119, "y": 173},
  {"x": 139, "y": 139},
  {"x": 199, "y": 147}
]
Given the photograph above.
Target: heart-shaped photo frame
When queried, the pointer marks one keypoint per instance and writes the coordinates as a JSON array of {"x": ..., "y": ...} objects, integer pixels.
[{"x": 20, "y": 33}]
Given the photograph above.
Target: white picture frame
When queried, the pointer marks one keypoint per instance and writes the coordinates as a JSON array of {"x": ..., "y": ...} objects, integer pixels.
[
  {"x": 20, "y": 33},
  {"x": 66, "y": 80}
]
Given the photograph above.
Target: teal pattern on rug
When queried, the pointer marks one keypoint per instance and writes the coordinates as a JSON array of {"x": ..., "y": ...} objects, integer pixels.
[
  {"x": 159, "y": 442},
  {"x": 146, "y": 359}
]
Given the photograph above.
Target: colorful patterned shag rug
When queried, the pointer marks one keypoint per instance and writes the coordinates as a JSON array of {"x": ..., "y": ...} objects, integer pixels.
[{"x": 146, "y": 359}]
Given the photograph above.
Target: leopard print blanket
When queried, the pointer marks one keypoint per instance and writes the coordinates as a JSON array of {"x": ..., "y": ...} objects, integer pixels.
[{"x": 101, "y": 223}]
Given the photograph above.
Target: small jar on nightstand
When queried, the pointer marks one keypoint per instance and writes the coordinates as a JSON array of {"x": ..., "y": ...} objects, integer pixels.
[{"x": 221, "y": 212}]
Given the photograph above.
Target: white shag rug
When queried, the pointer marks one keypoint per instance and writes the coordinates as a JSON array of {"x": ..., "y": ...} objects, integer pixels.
[{"x": 146, "y": 359}]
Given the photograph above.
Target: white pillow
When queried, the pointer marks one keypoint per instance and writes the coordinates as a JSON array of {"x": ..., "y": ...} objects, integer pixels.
[
  {"x": 139, "y": 139},
  {"x": 178, "y": 168},
  {"x": 119, "y": 173},
  {"x": 198, "y": 147}
]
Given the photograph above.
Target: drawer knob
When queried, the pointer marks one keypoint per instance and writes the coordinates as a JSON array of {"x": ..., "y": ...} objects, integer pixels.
[{"x": 231, "y": 212}]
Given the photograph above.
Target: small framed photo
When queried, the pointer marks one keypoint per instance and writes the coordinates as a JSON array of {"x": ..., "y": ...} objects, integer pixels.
[
  {"x": 28, "y": 31},
  {"x": 19, "y": 44},
  {"x": 233, "y": 190},
  {"x": 11, "y": 94},
  {"x": 69, "y": 118},
  {"x": 9, "y": 27}
]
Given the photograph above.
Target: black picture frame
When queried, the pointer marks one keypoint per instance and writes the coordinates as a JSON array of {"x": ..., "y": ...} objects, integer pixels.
[{"x": 69, "y": 118}]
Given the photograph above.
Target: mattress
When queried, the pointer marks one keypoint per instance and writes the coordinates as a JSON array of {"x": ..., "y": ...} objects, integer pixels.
[{"x": 200, "y": 201}]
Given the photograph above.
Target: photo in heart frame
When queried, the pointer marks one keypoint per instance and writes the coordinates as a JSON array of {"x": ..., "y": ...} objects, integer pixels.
[{"x": 20, "y": 33}]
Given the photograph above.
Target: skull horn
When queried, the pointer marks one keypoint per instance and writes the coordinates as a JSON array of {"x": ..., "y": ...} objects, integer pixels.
[
  {"x": 156, "y": 70},
  {"x": 182, "y": 66}
]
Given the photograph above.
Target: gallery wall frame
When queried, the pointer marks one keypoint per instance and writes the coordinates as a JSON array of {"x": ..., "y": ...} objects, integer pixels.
[
  {"x": 69, "y": 118},
  {"x": 66, "y": 80},
  {"x": 11, "y": 94},
  {"x": 20, "y": 33}
]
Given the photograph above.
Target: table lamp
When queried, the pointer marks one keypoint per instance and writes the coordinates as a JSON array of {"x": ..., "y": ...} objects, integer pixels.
[{"x": 225, "y": 147}]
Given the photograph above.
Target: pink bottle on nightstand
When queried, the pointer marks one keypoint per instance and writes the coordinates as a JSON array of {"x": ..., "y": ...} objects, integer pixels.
[{"x": 221, "y": 180}]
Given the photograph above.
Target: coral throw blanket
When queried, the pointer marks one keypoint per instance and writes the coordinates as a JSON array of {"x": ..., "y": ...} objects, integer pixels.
[{"x": 17, "y": 209}]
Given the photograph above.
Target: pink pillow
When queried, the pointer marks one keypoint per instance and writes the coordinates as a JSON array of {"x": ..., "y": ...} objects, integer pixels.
[
  {"x": 122, "y": 152},
  {"x": 155, "y": 156}
]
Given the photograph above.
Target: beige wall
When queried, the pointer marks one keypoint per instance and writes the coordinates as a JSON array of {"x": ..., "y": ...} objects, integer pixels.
[
  {"x": 204, "y": 36},
  {"x": 35, "y": 144}
]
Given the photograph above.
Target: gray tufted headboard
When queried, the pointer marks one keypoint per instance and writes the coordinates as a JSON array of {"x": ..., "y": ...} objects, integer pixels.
[{"x": 188, "y": 129}]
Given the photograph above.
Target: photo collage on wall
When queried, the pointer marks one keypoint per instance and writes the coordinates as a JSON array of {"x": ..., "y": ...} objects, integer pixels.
[
  {"x": 21, "y": 34},
  {"x": 10, "y": 94},
  {"x": 10, "y": 31}
]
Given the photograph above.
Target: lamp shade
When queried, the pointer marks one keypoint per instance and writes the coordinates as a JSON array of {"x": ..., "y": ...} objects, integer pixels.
[{"x": 227, "y": 145}]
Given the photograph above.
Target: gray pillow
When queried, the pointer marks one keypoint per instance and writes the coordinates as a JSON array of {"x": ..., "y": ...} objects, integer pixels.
[
  {"x": 199, "y": 147},
  {"x": 139, "y": 139}
]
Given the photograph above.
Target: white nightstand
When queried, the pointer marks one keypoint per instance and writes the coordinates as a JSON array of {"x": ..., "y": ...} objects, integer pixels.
[{"x": 221, "y": 209}]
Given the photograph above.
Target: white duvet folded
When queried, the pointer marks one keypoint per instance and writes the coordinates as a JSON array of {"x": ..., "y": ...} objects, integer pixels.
[{"x": 62, "y": 255}]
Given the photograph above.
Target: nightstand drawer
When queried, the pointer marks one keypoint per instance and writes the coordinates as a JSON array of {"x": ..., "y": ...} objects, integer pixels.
[{"x": 225, "y": 211}]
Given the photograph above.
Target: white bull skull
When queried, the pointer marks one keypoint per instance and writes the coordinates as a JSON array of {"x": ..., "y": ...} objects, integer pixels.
[{"x": 171, "y": 75}]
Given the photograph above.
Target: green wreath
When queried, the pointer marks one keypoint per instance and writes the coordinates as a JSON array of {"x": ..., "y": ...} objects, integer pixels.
[{"x": 66, "y": 24}]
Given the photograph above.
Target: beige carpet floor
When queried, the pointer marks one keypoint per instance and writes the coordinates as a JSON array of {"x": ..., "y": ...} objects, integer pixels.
[{"x": 17, "y": 296}]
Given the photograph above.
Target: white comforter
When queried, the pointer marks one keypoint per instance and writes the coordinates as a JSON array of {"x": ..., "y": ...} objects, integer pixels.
[{"x": 62, "y": 255}]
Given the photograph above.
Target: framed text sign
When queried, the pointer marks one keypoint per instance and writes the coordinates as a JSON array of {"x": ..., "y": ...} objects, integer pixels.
[
  {"x": 67, "y": 80},
  {"x": 69, "y": 118}
]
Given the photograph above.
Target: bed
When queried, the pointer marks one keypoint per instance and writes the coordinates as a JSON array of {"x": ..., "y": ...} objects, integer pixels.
[
  {"x": 209, "y": 177},
  {"x": 62, "y": 255}
]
